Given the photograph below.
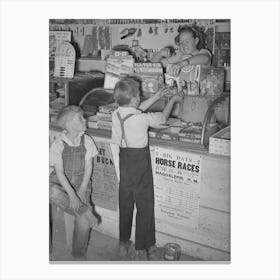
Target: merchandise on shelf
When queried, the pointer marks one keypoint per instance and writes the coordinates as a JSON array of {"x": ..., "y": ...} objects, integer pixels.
[
  {"x": 109, "y": 108},
  {"x": 117, "y": 65},
  {"x": 193, "y": 132},
  {"x": 151, "y": 75},
  {"x": 212, "y": 80}
]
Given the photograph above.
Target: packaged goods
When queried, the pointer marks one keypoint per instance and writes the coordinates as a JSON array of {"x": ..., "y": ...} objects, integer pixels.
[
  {"x": 220, "y": 142},
  {"x": 169, "y": 133},
  {"x": 117, "y": 65},
  {"x": 193, "y": 133},
  {"x": 109, "y": 108},
  {"x": 212, "y": 80},
  {"x": 151, "y": 75}
]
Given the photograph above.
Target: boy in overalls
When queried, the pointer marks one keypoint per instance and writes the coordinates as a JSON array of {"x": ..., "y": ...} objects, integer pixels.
[
  {"x": 130, "y": 132},
  {"x": 71, "y": 155}
]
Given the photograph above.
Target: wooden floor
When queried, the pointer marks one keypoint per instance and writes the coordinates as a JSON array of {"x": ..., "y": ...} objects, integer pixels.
[{"x": 102, "y": 248}]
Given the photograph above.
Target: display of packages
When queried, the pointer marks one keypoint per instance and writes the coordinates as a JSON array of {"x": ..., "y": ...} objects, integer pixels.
[
  {"x": 170, "y": 133},
  {"x": 117, "y": 65},
  {"x": 212, "y": 80},
  {"x": 109, "y": 108},
  {"x": 219, "y": 142},
  {"x": 192, "y": 133},
  {"x": 151, "y": 75}
]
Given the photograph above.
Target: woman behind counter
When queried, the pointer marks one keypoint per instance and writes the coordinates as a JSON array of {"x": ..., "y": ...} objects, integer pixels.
[{"x": 191, "y": 52}]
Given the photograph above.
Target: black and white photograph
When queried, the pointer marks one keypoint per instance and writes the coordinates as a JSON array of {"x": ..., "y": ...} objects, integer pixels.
[{"x": 139, "y": 140}]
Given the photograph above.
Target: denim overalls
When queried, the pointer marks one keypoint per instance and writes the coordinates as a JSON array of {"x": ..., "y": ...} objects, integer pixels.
[
  {"x": 136, "y": 186},
  {"x": 74, "y": 168}
]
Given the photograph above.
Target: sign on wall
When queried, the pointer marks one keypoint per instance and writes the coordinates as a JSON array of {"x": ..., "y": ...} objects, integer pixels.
[
  {"x": 104, "y": 178},
  {"x": 176, "y": 181}
]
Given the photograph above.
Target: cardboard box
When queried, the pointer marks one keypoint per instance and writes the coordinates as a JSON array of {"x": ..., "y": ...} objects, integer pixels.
[
  {"x": 211, "y": 81},
  {"x": 117, "y": 65},
  {"x": 220, "y": 142},
  {"x": 151, "y": 75}
]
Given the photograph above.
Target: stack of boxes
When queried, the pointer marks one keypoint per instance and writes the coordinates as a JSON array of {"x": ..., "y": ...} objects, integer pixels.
[
  {"x": 117, "y": 65},
  {"x": 151, "y": 75},
  {"x": 103, "y": 118}
]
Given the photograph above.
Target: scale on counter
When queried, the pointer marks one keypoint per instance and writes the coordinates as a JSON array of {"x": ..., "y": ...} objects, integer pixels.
[{"x": 64, "y": 60}]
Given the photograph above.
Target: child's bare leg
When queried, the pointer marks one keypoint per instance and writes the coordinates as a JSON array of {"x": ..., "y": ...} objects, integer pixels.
[{"x": 80, "y": 237}]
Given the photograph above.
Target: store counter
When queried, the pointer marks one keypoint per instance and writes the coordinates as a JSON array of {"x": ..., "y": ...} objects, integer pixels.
[{"x": 192, "y": 194}]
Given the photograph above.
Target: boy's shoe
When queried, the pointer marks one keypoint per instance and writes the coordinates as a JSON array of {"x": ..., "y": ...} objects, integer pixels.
[
  {"x": 126, "y": 249},
  {"x": 141, "y": 255},
  {"x": 153, "y": 253}
]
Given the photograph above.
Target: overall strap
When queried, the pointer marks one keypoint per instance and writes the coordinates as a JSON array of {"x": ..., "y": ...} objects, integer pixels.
[
  {"x": 122, "y": 126},
  {"x": 82, "y": 140}
]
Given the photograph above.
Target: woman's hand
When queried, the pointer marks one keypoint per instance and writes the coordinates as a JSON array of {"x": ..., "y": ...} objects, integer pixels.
[
  {"x": 165, "y": 52},
  {"x": 175, "y": 69}
]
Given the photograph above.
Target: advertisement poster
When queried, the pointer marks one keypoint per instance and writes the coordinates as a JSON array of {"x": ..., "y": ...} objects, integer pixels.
[
  {"x": 104, "y": 178},
  {"x": 55, "y": 38},
  {"x": 176, "y": 181}
]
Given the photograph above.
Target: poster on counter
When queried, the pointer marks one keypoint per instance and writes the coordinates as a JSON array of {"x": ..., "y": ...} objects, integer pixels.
[
  {"x": 177, "y": 176},
  {"x": 104, "y": 178}
]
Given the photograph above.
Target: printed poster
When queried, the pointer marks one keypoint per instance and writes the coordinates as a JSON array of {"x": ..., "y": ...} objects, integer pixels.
[
  {"x": 55, "y": 38},
  {"x": 177, "y": 176},
  {"x": 104, "y": 178}
]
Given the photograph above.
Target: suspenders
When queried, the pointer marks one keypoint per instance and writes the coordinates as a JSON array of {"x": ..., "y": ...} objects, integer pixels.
[{"x": 122, "y": 126}]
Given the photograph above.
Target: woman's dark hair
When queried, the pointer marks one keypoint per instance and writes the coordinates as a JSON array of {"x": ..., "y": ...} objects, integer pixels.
[{"x": 196, "y": 31}]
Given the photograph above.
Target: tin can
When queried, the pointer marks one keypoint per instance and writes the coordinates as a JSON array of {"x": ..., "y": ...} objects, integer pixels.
[{"x": 172, "y": 252}]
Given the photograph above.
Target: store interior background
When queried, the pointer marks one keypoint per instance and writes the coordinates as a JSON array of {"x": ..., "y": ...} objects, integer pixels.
[{"x": 211, "y": 240}]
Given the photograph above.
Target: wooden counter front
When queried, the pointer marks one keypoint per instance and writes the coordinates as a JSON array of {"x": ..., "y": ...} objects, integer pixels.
[{"x": 211, "y": 239}]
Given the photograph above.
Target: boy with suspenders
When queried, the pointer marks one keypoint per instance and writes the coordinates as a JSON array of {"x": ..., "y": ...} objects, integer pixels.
[{"x": 130, "y": 132}]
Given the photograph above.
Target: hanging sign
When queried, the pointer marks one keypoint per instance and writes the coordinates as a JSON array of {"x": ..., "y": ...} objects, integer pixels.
[
  {"x": 176, "y": 180},
  {"x": 104, "y": 178}
]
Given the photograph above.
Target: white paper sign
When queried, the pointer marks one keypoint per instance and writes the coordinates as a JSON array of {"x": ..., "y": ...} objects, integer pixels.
[{"x": 177, "y": 186}]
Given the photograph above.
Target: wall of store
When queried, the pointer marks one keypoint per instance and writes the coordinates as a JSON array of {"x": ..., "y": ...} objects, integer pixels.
[
  {"x": 149, "y": 36},
  {"x": 211, "y": 239}
]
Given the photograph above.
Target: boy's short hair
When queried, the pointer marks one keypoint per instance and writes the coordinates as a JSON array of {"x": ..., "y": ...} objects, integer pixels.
[
  {"x": 126, "y": 89},
  {"x": 66, "y": 114}
]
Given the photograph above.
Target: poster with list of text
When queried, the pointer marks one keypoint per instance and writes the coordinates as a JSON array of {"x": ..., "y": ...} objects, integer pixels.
[{"x": 177, "y": 186}]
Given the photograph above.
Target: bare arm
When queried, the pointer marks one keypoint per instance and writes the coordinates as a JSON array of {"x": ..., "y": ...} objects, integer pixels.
[
  {"x": 149, "y": 102},
  {"x": 74, "y": 200},
  {"x": 88, "y": 170},
  {"x": 163, "y": 53},
  {"x": 167, "y": 110},
  {"x": 201, "y": 58}
]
